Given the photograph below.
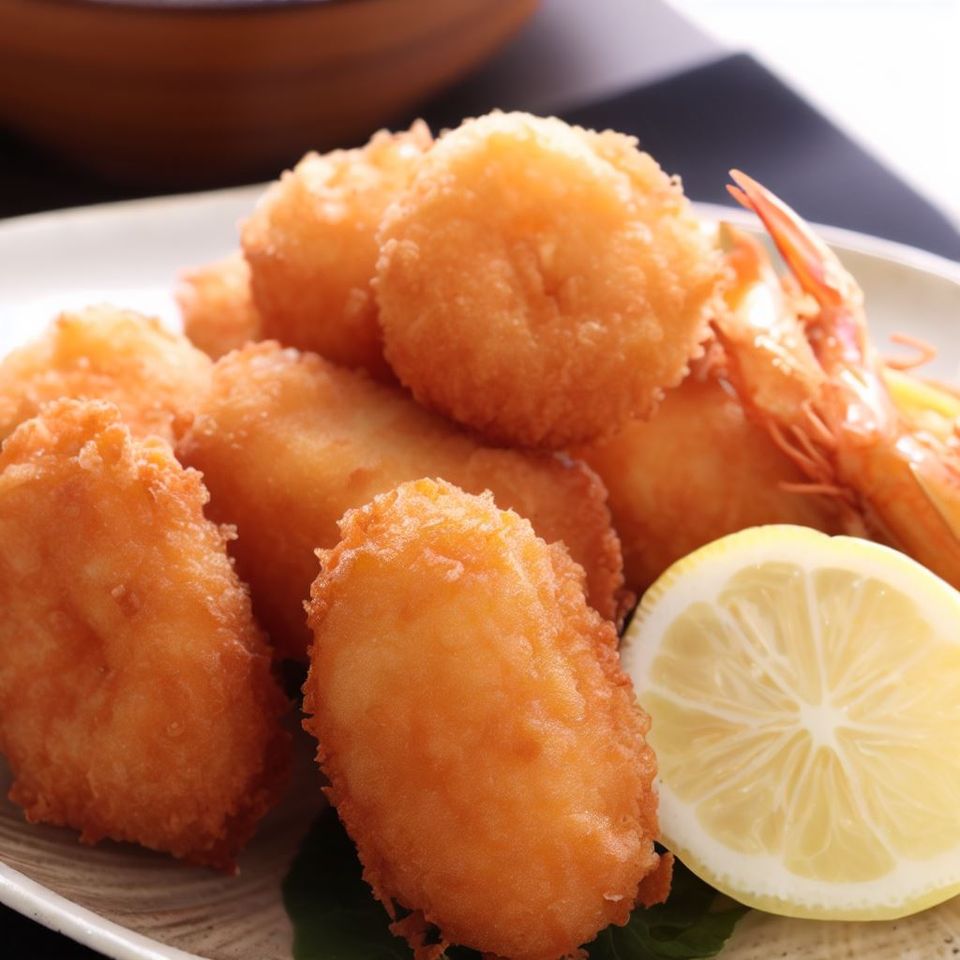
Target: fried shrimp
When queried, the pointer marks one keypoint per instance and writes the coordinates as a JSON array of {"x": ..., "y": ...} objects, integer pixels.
[
  {"x": 696, "y": 471},
  {"x": 484, "y": 749},
  {"x": 150, "y": 373},
  {"x": 541, "y": 283},
  {"x": 136, "y": 695},
  {"x": 817, "y": 385},
  {"x": 217, "y": 306},
  {"x": 287, "y": 442},
  {"x": 312, "y": 250}
]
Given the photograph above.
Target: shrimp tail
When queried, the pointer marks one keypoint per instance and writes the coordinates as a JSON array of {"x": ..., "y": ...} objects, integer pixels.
[
  {"x": 811, "y": 261},
  {"x": 842, "y": 324},
  {"x": 822, "y": 391}
]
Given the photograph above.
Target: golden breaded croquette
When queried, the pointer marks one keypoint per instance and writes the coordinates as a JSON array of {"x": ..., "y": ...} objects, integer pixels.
[
  {"x": 136, "y": 695},
  {"x": 312, "y": 250},
  {"x": 484, "y": 749},
  {"x": 217, "y": 306},
  {"x": 152, "y": 374},
  {"x": 541, "y": 283},
  {"x": 287, "y": 442},
  {"x": 696, "y": 471}
]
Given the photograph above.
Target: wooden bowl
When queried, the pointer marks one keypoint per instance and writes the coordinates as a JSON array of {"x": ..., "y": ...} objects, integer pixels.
[{"x": 188, "y": 92}]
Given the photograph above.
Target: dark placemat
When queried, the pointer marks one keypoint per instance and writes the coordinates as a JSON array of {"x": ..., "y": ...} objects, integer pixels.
[
  {"x": 22, "y": 939},
  {"x": 731, "y": 113}
]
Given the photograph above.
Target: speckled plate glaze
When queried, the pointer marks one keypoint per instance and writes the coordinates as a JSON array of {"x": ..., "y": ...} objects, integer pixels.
[{"x": 135, "y": 905}]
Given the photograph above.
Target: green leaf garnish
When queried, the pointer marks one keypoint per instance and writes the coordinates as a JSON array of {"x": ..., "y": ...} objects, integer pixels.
[
  {"x": 333, "y": 912},
  {"x": 335, "y": 916},
  {"x": 687, "y": 927}
]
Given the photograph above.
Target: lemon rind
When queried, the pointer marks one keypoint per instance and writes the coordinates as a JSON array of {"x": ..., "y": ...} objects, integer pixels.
[{"x": 913, "y": 886}]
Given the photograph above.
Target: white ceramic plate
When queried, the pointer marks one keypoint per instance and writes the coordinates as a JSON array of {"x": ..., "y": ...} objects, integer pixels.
[{"x": 134, "y": 905}]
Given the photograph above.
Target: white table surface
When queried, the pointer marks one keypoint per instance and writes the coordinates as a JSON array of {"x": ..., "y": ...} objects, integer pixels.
[{"x": 886, "y": 71}]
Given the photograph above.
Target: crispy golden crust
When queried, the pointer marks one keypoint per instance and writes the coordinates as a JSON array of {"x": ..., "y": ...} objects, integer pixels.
[
  {"x": 136, "y": 695},
  {"x": 287, "y": 442},
  {"x": 217, "y": 306},
  {"x": 312, "y": 250},
  {"x": 484, "y": 749},
  {"x": 541, "y": 283},
  {"x": 696, "y": 471},
  {"x": 150, "y": 373}
]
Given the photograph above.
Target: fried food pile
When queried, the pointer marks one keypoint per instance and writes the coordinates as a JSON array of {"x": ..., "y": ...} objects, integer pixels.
[
  {"x": 541, "y": 283},
  {"x": 385, "y": 451},
  {"x": 137, "y": 699},
  {"x": 151, "y": 374},
  {"x": 287, "y": 442},
  {"x": 312, "y": 248},
  {"x": 483, "y": 746}
]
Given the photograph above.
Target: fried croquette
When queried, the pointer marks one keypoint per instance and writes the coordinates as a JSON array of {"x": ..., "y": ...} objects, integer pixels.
[
  {"x": 484, "y": 749},
  {"x": 698, "y": 470},
  {"x": 541, "y": 283},
  {"x": 217, "y": 306},
  {"x": 152, "y": 374},
  {"x": 136, "y": 695},
  {"x": 312, "y": 250},
  {"x": 287, "y": 442}
]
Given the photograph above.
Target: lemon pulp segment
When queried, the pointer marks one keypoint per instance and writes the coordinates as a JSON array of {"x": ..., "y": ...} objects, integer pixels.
[{"x": 805, "y": 698}]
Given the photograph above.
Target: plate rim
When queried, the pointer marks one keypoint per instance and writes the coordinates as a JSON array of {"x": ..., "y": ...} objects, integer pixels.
[
  {"x": 81, "y": 924},
  {"x": 841, "y": 237}
]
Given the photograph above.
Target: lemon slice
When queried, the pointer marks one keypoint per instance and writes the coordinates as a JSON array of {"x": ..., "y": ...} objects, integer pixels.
[
  {"x": 927, "y": 406},
  {"x": 805, "y": 698}
]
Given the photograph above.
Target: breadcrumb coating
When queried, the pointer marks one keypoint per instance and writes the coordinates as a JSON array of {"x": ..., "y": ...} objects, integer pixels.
[
  {"x": 312, "y": 250},
  {"x": 541, "y": 283},
  {"x": 484, "y": 749},
  {"x": 137, "y": 700},
  {"x": 287, "y": 442},
  {"x": 152, "y": 374},
  {"x": 217, "y": 306},
  {"x": 696, "y": 471}
]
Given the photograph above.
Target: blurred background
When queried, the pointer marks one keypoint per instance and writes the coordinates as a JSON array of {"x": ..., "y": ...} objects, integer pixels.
[
  {"x": 885, "y": 70},
  {"x": 846, "y": 107}
]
